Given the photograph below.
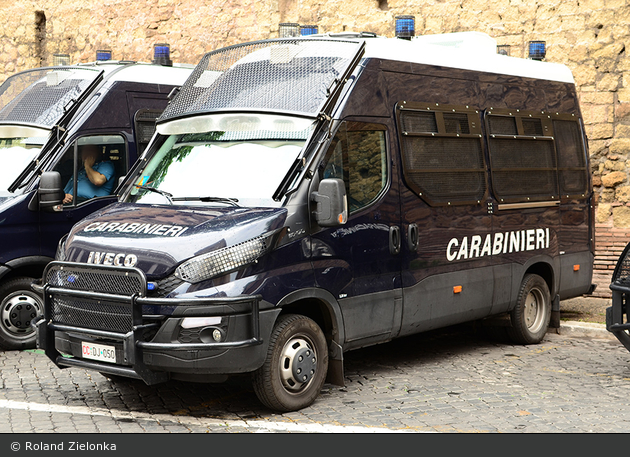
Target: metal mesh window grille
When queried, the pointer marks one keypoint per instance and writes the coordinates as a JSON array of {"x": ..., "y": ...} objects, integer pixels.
[
  {"x": 456, "y": 123},
  {"x": 532, "y": 127},
  {"x": 571, "y": 158},
  {"x": 500, "y": 125},
  {"x": 39, "y": 96},
  {"x": 523, "y": 169},
  {"x": 419, "y": 122},
  {"x": 93, "y": 313},
  {"x": 621, "y": 274},
  {"x": 445, "y": 170},
  {"x": 287, "y": 75}
]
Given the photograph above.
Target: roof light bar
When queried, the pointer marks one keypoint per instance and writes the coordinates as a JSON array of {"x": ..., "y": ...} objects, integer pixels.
[
  {"x": 103, "y": 54},
  {"x": 405, "y": 27},
  {"x": 537, "y": 50},
  {"x": 162, "y": 55},
  {"x": 308, "y": 30},
  {"x": 289, "y": 30}
]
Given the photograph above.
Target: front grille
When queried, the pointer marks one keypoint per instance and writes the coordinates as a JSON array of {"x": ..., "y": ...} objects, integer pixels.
[{"x": 93, "y": 313}]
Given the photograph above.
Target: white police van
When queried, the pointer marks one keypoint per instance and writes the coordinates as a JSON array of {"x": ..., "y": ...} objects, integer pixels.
[
  {"x": 47, "y": 116},
  {"x": 308, "y": 196}
]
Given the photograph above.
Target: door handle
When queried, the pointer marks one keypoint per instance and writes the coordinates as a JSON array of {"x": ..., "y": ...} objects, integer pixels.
[
  {"x": 412, "y": 237},
  {"x": 394, "y": 240}
]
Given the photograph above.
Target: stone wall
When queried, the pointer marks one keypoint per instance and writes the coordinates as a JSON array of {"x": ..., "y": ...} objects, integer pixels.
[{"x": 589, "y": 36}]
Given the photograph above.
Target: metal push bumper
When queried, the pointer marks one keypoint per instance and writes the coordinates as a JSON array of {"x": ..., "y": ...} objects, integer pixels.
[
  {"x": 134, "y": 345},
  {"x": 615, "y": 321}
]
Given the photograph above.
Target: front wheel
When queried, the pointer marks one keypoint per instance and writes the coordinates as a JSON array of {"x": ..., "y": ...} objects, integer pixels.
[
  {"x": 19, "y": 306},
  {"x": 295, "y": 368},
  {"x": 532, "y": 313}
]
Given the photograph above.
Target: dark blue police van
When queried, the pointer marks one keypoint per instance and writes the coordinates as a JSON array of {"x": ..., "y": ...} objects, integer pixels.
[
  {"x": 48, "y": 116},
  {"x": 303, "y": 197}
]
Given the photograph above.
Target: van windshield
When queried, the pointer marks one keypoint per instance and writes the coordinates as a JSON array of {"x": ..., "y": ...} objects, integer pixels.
[
  {"x": 15, "y": 155},
  {"x": 237, "y": 168}
]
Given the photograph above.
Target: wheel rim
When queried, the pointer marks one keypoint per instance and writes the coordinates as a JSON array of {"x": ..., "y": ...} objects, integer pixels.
[
  {"x": 19, "y": 309},
  {"x": 298, "y": 363},
  {"x": 535, "y": 308}
]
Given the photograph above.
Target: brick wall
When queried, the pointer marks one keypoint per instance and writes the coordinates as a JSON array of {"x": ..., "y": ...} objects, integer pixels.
[{"x": 609, "y": 244}]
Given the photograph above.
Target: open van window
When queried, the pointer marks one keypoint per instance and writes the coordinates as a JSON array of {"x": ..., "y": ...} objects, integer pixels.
[
  {"x": 220, "y": 166},
  {"x": 358, "y": 156},
  {"x": 109, "y": 160}
]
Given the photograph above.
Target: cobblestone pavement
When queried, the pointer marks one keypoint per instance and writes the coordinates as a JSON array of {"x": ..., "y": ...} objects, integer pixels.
[{"x": 453, "y": 380}]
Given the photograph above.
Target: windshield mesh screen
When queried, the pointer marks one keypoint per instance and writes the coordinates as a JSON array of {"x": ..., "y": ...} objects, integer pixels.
[
  {"x": 39, "y": 96},
  {"x": 288, "y": 75}
]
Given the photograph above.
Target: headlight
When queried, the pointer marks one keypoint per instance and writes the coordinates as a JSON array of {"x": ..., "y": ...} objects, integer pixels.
[
  {"x": 224, "y": 260},
  {"x": 61, "y": 249}
]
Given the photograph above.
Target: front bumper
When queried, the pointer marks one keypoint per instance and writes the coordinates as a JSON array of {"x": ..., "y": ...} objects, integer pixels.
[
  {"x": 617, "y": 315},
  {"x": 148, "y": 343}
]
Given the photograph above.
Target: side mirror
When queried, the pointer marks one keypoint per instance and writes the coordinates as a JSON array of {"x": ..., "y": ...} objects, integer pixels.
[
  {"x": 332, "y": 203},
  {"x": 50, "y": 192}
]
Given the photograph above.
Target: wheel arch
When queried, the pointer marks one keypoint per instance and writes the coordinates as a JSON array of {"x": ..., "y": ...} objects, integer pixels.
[
  {"x": 321, "y": 306},
  {"x": 31, "y": 266},
  {"x": 544, "y": 270}
]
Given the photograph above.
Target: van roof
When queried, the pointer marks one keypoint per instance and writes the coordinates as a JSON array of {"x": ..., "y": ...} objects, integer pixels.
[
  {"x": 475, "y": 51},
  {"x": 36, "y": 99}
]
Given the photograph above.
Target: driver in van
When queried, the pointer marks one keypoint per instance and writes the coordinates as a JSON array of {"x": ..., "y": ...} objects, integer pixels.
[{"x": 96, "y": 177}]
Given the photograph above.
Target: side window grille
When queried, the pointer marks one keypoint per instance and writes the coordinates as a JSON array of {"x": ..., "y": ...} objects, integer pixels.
[
  {"x": 532, "y": 127},
  {"x": 523, "y": 160},
  {"x": 502, "y": 125},
  {"x": 456, "y": 123},
  {"x": 419, "y": 122},
  {"x": 443, "y": 160}
]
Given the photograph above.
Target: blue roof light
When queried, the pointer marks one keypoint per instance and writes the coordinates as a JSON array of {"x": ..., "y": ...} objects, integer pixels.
[
  {"x": 405, "y": 27},
  {"x": 308, "y": 30},
  {"x": 537, "y": 50},
  {"x": 103, "y": 54},
  {"x": 162, "y": 55}
]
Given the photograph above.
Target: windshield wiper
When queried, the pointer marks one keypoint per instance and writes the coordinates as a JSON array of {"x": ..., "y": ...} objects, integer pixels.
[
  {"x": 165, "y": 194},
  {"x": 230, "y": 201}
]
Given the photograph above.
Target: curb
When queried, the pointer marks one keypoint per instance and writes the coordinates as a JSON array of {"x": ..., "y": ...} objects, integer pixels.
[{"x": 585, "y": 329}]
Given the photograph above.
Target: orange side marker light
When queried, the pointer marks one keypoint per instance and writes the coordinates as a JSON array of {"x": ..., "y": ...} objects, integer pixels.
[
  {"x": 576, "y": 268},
  {"x": 457, "y": 289}
]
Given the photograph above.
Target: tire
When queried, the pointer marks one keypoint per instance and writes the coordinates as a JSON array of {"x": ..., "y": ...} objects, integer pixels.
[
  {"x": 531, "y": 316},
  {"x": 297, "y": 345},
  {"x": 19, "y": 306}
]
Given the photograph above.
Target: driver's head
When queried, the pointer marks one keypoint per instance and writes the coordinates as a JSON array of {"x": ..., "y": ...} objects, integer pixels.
[{"x": 90, "y": 150}]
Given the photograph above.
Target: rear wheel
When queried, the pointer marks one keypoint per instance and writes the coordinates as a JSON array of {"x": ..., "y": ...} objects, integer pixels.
[
  {"x": 530, "y": 318},
  {"x": 19, "y": 306},
  {"x": 296, "y": 365}
]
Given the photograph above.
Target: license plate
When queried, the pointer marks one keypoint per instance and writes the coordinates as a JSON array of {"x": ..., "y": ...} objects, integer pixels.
[{"x": 98, "y": 352}]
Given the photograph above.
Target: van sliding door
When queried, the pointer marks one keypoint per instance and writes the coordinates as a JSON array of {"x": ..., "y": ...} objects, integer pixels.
[{"x": 447, "y": 266}]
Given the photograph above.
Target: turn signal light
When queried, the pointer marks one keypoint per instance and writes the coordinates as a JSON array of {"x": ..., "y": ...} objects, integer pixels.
[{"x": 457, "y": 289}]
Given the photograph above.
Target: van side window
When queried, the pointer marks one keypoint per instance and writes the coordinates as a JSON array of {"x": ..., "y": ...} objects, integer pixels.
[
  {"x": 442, "y": 153},
  {"x": 106, "y": 155},
  {"x": 522, "y": 157},
  {"x": 358, "y": 155}
]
